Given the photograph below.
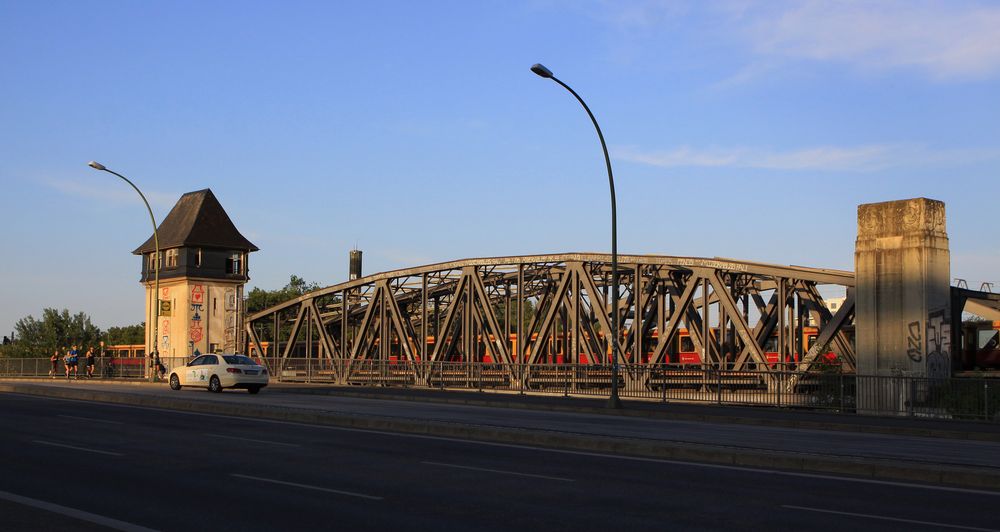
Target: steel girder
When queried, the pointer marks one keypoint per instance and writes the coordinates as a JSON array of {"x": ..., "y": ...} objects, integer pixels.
[{"x": 544, "y": 309}]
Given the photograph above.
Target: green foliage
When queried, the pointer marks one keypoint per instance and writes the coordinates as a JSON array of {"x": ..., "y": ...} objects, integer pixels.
[
  {"x": 259, "y": 299},
  {"x": 527, "y": 313},
  {"x": 55, "y": 330},
  {"x": 127, "y": 335}
]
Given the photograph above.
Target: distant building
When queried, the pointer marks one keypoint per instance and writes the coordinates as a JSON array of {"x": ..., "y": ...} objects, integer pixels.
[
  {"x": 203, "y": 270},
  {"x": 833, "y": 304}
]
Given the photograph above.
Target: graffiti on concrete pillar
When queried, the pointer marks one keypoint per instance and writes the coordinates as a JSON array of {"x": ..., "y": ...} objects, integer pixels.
[
  {"x": 195, "y": 331},
  {"x": 938, "y": 344},
  {"x": 914, "y": 348}
]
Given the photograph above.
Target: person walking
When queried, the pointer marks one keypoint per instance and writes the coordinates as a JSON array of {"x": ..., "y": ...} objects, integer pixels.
[
  {"x": 90, "y": 362},
  {"x": 54, "y": 361}
]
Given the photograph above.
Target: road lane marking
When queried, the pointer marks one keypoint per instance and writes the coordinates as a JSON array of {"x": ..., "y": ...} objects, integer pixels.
[
  {"x": 558, "y": 451},
  {"x": 92, "y": 419},
  {"x": 308, "y": 487},
  {"x": 252, "y": 440},
  {"x": 456, "y": 466},
  {"x": 886, "y": 518},
  {"x": 74, "y": 513},
  {"x": 65, "y": 446}
]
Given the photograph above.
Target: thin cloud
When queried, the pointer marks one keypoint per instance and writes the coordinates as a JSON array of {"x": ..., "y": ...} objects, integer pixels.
[
  {"x": 948, "y": 40},
  {"x": 122, "y": 194},
  {"x": 868, "y": 158}
]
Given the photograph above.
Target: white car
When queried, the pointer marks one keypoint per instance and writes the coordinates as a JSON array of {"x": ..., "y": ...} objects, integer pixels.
[{"x": 216, "y": 372}]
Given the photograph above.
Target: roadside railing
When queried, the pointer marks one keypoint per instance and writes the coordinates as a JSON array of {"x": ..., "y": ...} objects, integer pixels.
[{"x": 954, "y": 398}]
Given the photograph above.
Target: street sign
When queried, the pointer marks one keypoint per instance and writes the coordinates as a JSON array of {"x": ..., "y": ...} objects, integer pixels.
[{"x": 165, "y": 308}]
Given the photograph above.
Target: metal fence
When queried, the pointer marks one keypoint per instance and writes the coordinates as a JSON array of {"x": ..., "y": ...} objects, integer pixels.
[{"x": 956, "y": 398}]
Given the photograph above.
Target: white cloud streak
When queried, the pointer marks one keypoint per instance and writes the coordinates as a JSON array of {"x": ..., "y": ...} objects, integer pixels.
[
  {"x": 122, "y": 194},
  {"x": 945, "y": 40},
  {"x": 948, "y": 40},
  {"x": 867, "y": 158}
]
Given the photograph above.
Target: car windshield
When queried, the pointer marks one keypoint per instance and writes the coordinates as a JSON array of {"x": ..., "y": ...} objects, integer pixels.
[{"x": 239, "y": 359}]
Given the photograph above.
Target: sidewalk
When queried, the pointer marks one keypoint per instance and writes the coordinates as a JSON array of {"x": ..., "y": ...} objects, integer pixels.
[{"x": 931, "y": 451}]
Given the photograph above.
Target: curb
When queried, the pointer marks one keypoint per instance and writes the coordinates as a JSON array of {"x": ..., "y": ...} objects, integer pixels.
[{"x": 936, "y": 474}]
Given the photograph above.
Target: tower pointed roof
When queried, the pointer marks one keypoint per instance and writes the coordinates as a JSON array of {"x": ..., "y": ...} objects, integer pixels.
[{"x": 197, "y": 220}]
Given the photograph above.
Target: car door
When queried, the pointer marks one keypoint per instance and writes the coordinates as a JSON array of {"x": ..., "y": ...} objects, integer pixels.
[
  {"x": 208, "y": 367},
  {"x": 191, "y": 372}
]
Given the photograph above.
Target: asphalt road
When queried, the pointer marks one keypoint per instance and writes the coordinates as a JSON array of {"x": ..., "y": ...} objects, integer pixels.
[
  {"x": 130, "y": 467},
  {"x": 843, "y": 444}
]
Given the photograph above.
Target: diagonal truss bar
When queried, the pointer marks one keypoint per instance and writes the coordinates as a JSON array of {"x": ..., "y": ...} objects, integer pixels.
[
  {"x": 742, "y": 329},
  {"x": 293, "y": 335},
  {"x": 546, "y": 325},
  {"x": 597, "y": 303},
  {"x": 681, "y": 304}
]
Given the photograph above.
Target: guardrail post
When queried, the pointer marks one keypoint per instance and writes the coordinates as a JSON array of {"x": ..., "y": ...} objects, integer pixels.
[
  {"x": 779, "y": 388},
  {"x": 663, "y": 382},
  {"x": 842, "y": 409},
  {"x": 718, "y": 386},
  {"x": 986, "y": 399}
]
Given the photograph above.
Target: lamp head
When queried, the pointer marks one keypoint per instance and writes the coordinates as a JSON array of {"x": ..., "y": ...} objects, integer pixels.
[
  {"x": 540, "y": 69},
  {"x": 96, "y": 165}
]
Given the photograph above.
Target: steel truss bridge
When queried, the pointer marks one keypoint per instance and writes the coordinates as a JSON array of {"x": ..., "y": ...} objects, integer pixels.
[{"x": 517, "y": 314}]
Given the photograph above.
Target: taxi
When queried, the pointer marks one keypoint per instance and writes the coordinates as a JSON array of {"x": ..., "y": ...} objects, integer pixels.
[{"x": 219, "y": 371}]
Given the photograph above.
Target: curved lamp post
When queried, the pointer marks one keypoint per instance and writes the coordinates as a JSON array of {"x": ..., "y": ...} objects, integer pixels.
[
  {"x": 156, "y": 264},
  {"x": 613, "y": 401}
]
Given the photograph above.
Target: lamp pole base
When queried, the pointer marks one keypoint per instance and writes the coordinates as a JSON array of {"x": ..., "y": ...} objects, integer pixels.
[{"x": 614, "y": 403}]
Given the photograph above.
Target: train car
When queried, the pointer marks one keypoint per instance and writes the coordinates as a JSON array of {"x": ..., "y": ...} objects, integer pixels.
[{"x": 980, "y": 346}]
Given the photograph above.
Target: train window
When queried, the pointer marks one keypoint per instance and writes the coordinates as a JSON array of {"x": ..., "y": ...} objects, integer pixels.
[
  {"x": 988, "y": 340},
  {"x": 810, "y": 341},
  {"x": 771, "y": 345},
  {"x": 687, "y": 345}
]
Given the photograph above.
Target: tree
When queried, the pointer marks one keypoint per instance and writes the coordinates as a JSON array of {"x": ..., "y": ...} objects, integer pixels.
[
  {"x": 56, "y": 330},
  {"x": 127, "y": 335},
  {"x": 259, "y": 299}
]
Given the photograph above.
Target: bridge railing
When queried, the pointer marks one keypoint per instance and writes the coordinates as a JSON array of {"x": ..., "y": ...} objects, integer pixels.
[{"x": 955, "y": 398}]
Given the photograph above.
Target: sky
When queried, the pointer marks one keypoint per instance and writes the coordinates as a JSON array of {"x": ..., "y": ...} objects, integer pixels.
[{"x": 416, "y": 132}]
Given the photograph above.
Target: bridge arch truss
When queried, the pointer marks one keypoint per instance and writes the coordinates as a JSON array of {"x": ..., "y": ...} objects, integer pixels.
[{"x": 524, "y": 311}]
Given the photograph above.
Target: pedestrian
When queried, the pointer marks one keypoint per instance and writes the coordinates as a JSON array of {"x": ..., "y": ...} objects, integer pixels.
[
  {"x": 54, "y": 360},
  {"x": 74, "y": 361},
  {"x": 90, "y": 362},
  {"x": 66, "y": 363}
]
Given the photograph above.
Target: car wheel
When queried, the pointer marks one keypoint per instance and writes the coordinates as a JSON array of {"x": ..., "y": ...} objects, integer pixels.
[
  {"x": 214, "y": 385},
  {"x": 175, "y": 383},
  {"x": 253, "y": 389}
]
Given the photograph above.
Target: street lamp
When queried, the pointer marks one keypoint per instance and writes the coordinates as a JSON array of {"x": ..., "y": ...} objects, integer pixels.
[
  {"x": 156, "y": 266},
  {"x": 613, "y": 401}
]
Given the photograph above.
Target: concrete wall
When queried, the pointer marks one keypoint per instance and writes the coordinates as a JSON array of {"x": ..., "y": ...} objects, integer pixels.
[{"x": 902, "y": 264}]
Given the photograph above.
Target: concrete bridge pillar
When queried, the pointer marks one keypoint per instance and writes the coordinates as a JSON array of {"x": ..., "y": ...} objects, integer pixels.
[{"x": 903, "y": 315}]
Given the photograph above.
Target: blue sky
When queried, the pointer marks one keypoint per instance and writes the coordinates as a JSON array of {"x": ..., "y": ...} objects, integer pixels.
[{"x": 415, "y": 129}]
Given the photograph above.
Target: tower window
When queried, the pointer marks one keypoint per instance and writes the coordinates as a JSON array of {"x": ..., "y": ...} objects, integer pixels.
[
  {"x": 172, "y": 258},
  {"x": 152, "y": 261},
  {"x": 234, "y": 264},
  {"x": 197, "y": 258}
]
